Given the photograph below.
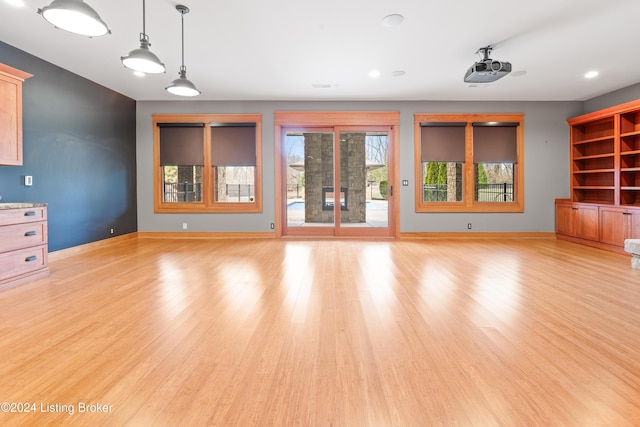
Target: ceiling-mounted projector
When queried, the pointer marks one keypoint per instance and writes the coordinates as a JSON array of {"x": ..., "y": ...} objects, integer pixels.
[{"x": 487, "y": 70}]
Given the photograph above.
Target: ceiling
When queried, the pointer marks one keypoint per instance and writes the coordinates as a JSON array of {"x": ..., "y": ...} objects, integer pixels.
[{"x": 325, "y": 50}]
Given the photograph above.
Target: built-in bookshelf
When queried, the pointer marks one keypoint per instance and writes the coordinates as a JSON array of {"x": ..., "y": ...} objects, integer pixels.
[
  {"x": 630, "y": 158},
  {"x": 604, "y": 208},
  {"x": 605, "y": 156}
]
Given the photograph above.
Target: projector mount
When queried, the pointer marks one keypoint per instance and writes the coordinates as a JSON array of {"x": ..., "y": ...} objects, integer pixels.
[
  {"x": 487, "y": 70},
  {"x": 485, "y": 52}
]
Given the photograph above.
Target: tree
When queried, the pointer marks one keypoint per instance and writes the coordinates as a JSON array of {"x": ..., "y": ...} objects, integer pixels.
[
  {"x": 433, "y": 173},
  {"x": 482, "y": 176}
]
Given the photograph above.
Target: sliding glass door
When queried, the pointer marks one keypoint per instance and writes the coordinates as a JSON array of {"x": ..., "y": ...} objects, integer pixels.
[
  {"x": 336, "y": 181},
  {"x": 364, "y": 179}
]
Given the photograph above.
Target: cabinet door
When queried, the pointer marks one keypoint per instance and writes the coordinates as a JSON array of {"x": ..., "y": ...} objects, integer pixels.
[
  {"x": 11, "y": 114},
  {"x": 635, "y": 225},
  {"x": 614, "y": 226},
  {"x": 587, "y": 222},
  {"x": 565, "y": 219},
  {"x": 10, "y": 132}
]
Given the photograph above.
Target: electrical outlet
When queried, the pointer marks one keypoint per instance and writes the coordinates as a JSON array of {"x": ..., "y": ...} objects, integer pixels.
[
  {"x": 112, "y": 231},
  {"x": 469, "y": 226},
  {"x": 28, "y": 180},
  {"x": 405, "y": 182},
  {"x": 273, "y": 226},
  {"x": 184, "y": 225}
]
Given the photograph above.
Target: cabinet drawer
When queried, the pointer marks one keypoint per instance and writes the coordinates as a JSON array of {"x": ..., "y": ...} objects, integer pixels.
[
  {"x": 22, "y": 261},
  {"x": 20, "y": 236},
  {"x": 22, "y": 215}
]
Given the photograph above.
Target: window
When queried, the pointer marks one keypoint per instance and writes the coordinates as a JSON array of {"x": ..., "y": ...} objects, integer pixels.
[
  {"x": 207, "y": 163},
  {"x": 469, "y": 163},
  {"x": 233, "y": 158}
]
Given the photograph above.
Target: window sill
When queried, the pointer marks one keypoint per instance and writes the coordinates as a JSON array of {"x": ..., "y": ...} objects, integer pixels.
[{"x": 478, "y": 207}]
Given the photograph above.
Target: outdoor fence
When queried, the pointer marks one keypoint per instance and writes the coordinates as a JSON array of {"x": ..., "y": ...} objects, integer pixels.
[
  {"x": 192, "y": 192},
  {"x": 240, "y": 192},
  {"x": 182, "y": 192},
  {"x": 501, "y": 192}
]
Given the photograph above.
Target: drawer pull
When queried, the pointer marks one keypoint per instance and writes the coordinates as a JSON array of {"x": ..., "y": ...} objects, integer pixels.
[
  {"x": 30, "y": 213},
  {"x": 30, "y": 233},
  {"x": 626, "y": 213},
  {"x": 31, "y": 258}
]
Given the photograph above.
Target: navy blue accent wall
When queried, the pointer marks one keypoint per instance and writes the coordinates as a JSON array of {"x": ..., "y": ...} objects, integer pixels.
[{"x": 79, "y": 144}]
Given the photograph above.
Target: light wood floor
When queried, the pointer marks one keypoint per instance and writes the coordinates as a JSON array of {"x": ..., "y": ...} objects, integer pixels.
[{"x": 485, "y": 332}]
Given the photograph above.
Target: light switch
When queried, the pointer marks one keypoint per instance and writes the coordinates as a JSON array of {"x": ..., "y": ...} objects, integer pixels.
[{"x": 28, "y": 180}]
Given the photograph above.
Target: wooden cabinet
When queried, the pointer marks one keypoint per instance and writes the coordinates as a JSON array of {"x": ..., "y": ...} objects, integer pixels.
[
  {"x": 618, "y": 224},
  {"x": 598, "y": 225},
  {"x": 11, "y": 114},
  {"x": 605, "y": 178},
  {"x": 577, "y": 220},
  {"x": 23, "y": 245}
]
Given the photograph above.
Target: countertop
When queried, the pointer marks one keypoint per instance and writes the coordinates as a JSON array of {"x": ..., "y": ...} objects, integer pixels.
[{"x": 21, "y": 205}]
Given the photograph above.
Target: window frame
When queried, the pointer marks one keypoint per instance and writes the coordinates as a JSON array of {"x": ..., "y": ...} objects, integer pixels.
[
  {"x": 468, "y": 203},
  {"x": 208, "y": 204}
]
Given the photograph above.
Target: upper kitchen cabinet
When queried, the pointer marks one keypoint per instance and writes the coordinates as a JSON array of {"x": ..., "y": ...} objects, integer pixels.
[{"x": 11, "y": 114}]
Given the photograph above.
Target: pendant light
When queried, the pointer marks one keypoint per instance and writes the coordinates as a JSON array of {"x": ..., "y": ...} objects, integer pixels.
[
  {"x": 76, "y": 17},
  {"x": 182, "y": 86},
  {"x": 142, "y": 59}
]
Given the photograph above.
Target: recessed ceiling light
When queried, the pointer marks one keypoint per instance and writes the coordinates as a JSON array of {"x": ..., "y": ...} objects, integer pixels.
[
  {"x": 398, "y": 73},
  {"x": 392, "y": 20},
  {"x": 374, "y": 74},
  {"x": 591, "y": 75}
]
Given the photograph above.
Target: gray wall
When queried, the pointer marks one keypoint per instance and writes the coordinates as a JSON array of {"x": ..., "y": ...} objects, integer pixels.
[
  {"x": 79, "y": 146},
  {"x": 627, "y": 94},
  {"x": 546, "y": 164}
]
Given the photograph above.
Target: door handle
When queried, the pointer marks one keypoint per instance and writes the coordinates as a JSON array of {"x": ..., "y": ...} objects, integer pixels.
[{"x": 391, "y": 190}]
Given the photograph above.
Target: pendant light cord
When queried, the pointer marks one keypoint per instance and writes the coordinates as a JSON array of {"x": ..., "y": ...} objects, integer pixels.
[
  {"x": 182, "y": 20},
  {"x": 144, "y": 31}
]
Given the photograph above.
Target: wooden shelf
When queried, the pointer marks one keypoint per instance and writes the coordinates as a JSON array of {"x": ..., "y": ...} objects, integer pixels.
[
  {"x": 592, "y": 140},
  {"x": 594, "y": 171},
  {"x": 593, "y": 156},
  {"x": 596, "y": 202}
]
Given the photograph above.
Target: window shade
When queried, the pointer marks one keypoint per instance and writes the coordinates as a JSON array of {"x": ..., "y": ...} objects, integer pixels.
[
  {"x": 233, "y": 144},
  {"x": 442, "y": 142},
  {"x": 181, "y": 144},
  {"x": 495, "y": 143}
]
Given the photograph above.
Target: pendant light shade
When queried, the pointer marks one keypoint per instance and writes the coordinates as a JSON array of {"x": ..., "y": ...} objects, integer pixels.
[
  {"x": 142, "y": 59},
  {"x": 182, "y": 86},
  {"x": 76, "y": 17}
]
